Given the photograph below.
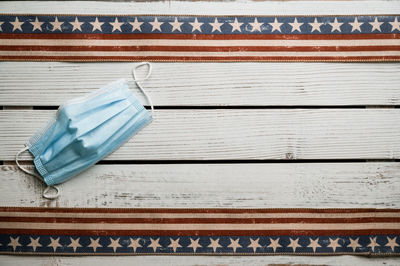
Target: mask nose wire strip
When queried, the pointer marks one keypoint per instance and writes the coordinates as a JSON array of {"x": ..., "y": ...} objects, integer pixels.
[
  {"x": 136, "y": 80},
  {"x": 38, "y": 177}
]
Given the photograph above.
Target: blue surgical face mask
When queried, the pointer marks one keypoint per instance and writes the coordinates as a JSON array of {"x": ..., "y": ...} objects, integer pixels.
[{"x": 85, "y": 130}]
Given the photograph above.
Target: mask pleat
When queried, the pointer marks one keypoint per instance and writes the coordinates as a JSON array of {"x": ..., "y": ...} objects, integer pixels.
[
  {"x": 86, "y": 130},
  {"x": 118, "y": 136}
]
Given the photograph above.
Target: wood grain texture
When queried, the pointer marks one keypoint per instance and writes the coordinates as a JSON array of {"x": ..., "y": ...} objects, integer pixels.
[
  {"x": 199, "y": 260},
  {"x": 208, "y": 84},
  {"x": 205, "y": 7},
  {"x": 291, "y": 185},
  {"x": 324, "y": 133},
  {"x": 238, "y": 134}
]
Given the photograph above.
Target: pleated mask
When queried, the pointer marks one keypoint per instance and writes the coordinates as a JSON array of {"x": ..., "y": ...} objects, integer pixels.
[{"x": 85, "y": 130}]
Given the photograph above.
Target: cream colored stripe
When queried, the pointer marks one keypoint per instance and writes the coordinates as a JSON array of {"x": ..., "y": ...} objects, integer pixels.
[
  {"x": 218, "y": 226},
  {"x": 168, "y": 42},
  {"x": 197, "y": 54},
  {"x": 202, "y": 215}
]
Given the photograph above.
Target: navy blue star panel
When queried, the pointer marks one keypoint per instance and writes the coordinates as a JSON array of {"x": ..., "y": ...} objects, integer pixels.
[
  {"x": 79, "y": 231},
  {"x": 199, "y": 38}
]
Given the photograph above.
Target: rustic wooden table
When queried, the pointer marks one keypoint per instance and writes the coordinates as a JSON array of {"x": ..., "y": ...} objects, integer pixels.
[{"x": 225, "y": 134}]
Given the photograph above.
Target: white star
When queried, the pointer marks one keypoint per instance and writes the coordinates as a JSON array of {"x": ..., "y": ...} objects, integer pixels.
[
  {"x": 256, "y": 26},
  {"x": 56, "y": 24},
  {"x": 76, "y": 24},
  {"x": 14, "y": 243},
  {"x": 254, "y": 244},
  {"x": 94, "y": 243},
  {"x": 96, "y": 25},
  {"x": 216, "y": 26},
  {"x": 194, "y": 244},
  {"x": 174, "y": 244},
  {"x": 334, "y": 244},
  {"x": 74, "y": 244},
  {"x": 336, "y": 25},
  {"x": 236, "y": 25},
  {"x": 34, "y": 243},
  {"x": 392, "y": 243},
  {"x": 376, "y": 25},
  {"x": 36, "y": 24},
  {"x": 214, "y": 244},
  {"x": 1, "y": 23},
  {"x": 274, "y": 244},
  {"x": 136, "y": 25},
  {"x": 176, "y": 25},
  {"x": 154, "y": 244},
  {"x": 356, "y": 25},
  {"x": 116, "y": 25},
  {"x": 196, "y": 25},
  {"x": 315, "y": 25},
  {"x": 114, "y": 244},
  {"x": 54, "y": 244},
  {"x": 17, "y": 24},
  {"x": 156, "y": 25},
  {"x": 135, "y": 244},
  {"x": 314, "y": 244},
  {"x": 234, "y": 244},
  {"x": 294, "y": 244},
  {"x": 354, "y": 244},
  {"x": 395, "y": 24},
  {"x": 276, "y": 25},
  {"x": 373, "y": 243},
  {"x": 295, "y": 25}
]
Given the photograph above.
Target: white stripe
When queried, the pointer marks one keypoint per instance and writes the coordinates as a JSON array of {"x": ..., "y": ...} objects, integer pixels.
[
  {"x": 197, "y": 54},
  {"x": 199, "y": 226},
  {"x": 202, "y": 215},
  {"x": 169, "y": 42}
]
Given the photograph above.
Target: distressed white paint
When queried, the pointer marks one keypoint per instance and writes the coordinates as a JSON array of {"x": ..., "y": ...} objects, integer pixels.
[
  {"x": 255, "y": 185},
  {"x": 238, "y": 134},
  {"x": 272, "y": 185},
  {"x": 205, "y": 7},
  {"x": 208, "y": 84},
  {"x": 199, "y": 260}
]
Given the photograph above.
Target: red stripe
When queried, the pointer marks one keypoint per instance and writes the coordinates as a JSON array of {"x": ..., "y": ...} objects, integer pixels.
[
  {"x": 199, "y": 48},
  {"x": 112, "y": 220},
  {"x": 103, "y": 36},
  {"x": 192, "y": 210},
  {"x": 201, "y": 232},
  {"x": 199, "y": 220},
  {"x": 205, "y": 59}
]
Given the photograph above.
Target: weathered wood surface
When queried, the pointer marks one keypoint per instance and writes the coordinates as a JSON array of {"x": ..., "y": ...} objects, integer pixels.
[
  {"x": 272, "y": 185},
  {"x": 292, "y": 133},
  {"x": 241, "y": 7},
  {"x": 239, "y": 134},
  {"x": 199, "y": 260},
  {"x": 208, "y": 84}
]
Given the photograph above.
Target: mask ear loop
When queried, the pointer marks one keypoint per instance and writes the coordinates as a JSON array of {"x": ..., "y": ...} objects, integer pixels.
[
  {"x": 136, "y": 80},
  {"x": 46, "y": 190}
]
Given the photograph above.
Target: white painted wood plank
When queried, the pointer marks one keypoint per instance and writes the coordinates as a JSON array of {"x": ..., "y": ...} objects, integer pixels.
[
  {"x": 205, "y": 84},
  {"x": 238, "y": 134},
  {"x": 199, "y": 260},
  {"x": 291, "y": 185},
  {"x": 205, "y": 7}
]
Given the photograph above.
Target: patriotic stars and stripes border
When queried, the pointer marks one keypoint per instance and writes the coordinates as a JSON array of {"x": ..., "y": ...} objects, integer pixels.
[
  {"x": 240, "y": 245},
  {"x": 199, "y": 24},
  {"x": 199, "y": 38},
  {"x": 82, "y": 231}
]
